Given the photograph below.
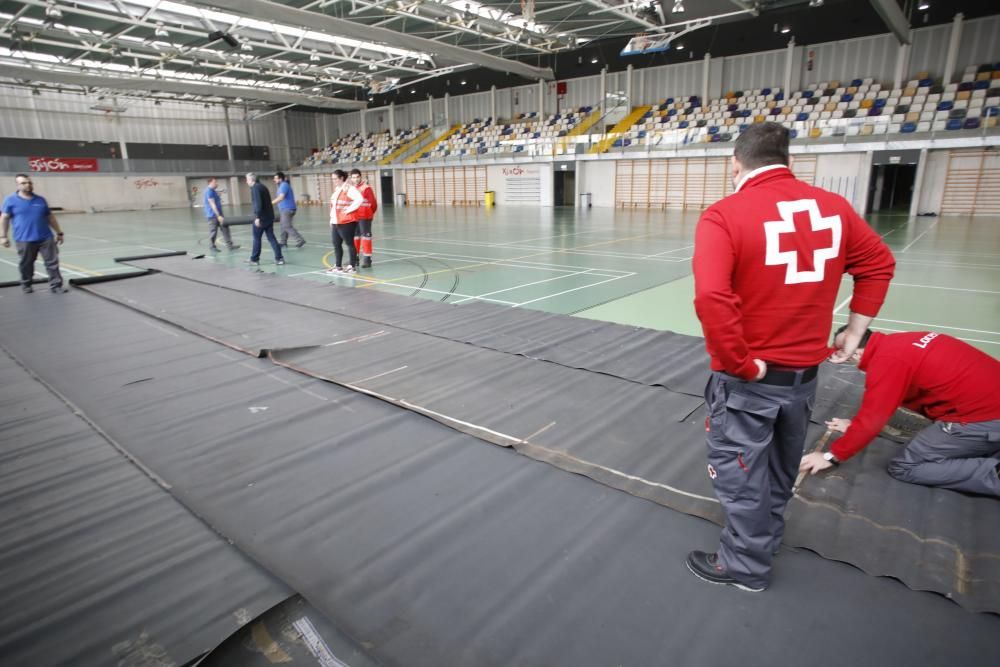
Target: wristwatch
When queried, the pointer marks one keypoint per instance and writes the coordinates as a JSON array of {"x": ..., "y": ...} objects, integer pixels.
[{"x": 830, "y": 458}]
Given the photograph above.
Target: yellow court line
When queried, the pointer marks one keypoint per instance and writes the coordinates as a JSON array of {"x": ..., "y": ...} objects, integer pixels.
[
  {"x": 80, "y": 268},
  {"x": 376, "y": 281}
]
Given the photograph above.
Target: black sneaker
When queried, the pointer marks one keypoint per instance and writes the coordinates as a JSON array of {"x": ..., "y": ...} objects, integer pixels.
[
  {"x": 300, "y": 244},
  {"x": 706, "y": 567},
  {"x": 27, "y": 289},
  {"x": 280, "y": 262},
  {"x": 366, "y": 263},
  {"x": 235, "y": 246},
  {"x": 59, "y": 289}
]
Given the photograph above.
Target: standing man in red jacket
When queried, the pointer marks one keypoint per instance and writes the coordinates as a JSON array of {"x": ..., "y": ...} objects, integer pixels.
[
  {"x": 365, "y": 214},
  {"x": 768, "y": 262},
  {"x": 943, "y": 379}
]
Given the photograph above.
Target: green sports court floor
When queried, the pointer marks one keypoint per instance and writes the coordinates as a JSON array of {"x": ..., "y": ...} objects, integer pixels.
[{"x": 621, "y": 266}]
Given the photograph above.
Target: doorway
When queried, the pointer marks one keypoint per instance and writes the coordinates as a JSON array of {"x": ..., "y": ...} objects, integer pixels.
[
  {"x": 386, "y": 182},
  {"x": 564, "y": 188},
  {"x": 891, "y": 188}
]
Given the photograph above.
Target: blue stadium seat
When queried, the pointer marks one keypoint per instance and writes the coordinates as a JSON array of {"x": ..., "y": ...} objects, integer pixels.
[
  {"x": 683, "y": 124},
  {"x": 982, "y": 85},
  {"x": 971, "y": 124},
  {"x": 802, "y": 116},
  {"x": 847, "y": 97},
  {"x": 808, "y": 93},
  {"x": 954, "y": 124},
  {"x": 713, "y": 129},
  {"x": 856, "y": 82},
  {"x": 908, "y": 127},
  {"x": 945, "y": 105}
]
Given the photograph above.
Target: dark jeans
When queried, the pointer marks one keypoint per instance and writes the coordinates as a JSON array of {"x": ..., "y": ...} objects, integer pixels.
[
  {"x": 257, "y": 233},
  {"x": 29, "y": 251},
  {"x": 345, "y": 234},
  {"x": 755, "y": 441}
]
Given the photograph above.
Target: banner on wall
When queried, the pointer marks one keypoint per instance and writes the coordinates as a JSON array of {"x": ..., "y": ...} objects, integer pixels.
[
  {"x": 65, "y": 164},
  {"x": 522, "y": 184}
]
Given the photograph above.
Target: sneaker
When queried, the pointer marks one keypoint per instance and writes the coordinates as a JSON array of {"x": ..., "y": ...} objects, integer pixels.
[
  {"x": 59, "y": 289},
  {"x": 335, "y": 269},
  {"x": 235, "y": 246},
  {"x": 253, "y": 262},
  {"x": 27, "y": 289},
  {"x": 366, "y": 263},
  {"x": 283, "y": 245},
  {"x": 280, "y": 262},
  {"x": 300, "y": 244},
  {"x": 349, "y": 269},
  {"x": 213, "y": 248},
  {"x": 706, "y": 567}
]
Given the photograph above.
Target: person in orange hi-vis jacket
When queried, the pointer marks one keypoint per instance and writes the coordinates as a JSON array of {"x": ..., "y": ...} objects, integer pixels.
[{"x": 363, "y": 238}]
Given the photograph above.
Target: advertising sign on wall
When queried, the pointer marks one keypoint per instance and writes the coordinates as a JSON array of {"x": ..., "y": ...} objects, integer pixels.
[{"x": 62, "y": 164}]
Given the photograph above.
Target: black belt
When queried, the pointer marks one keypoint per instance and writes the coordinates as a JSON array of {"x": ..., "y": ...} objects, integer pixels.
[{"x": 786, "y": 377}]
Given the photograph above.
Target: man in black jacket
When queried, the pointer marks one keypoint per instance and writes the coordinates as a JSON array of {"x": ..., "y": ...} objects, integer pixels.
[{"x": 263, "y": 222}]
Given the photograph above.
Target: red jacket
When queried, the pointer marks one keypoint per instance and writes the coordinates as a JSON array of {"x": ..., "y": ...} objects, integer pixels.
[
  {"x": 768, "y": 262},
  {"x": 372, "y": 204},
  {"x": 936, "y": 375}
]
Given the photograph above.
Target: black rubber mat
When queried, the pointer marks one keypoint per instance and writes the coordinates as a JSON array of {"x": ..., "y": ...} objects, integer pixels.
[
  {"x": 430, "y": 547},
  {"x": 642, "y": 439},
  {"x": 660, "y": 358},
  {"x": 101, "y": 566}
]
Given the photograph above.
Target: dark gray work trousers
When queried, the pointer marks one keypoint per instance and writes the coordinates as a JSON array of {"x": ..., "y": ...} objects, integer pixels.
[
  {"x": 963, "y": 457},
  {"x": 756, "y": 435},
  {"x": 29, "y": 252},
  {"x": 287, "y": 228}
]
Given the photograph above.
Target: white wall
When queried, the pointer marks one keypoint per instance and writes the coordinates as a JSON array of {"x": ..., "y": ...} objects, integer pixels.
[
  {"x": 932, "y": 188},
  {"x": 112, "y": 193},
  {"x": 597, "y": 178},
  {"x": 525, "y": 184},
  {"x": 842, "y": 173}
]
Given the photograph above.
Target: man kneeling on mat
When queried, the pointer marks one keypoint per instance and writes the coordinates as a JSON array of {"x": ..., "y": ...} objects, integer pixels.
[{"x": 943, "y": 379}]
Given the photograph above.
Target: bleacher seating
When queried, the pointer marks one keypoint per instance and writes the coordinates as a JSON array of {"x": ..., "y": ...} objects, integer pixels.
[
  {"x": 354, "y": 148},
  {"x": 829, "y": 109},
  {"x": 490, "y": 137}
]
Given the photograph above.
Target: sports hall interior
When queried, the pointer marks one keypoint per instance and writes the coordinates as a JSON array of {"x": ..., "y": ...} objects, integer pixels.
[{"x": 487, "y": 448}]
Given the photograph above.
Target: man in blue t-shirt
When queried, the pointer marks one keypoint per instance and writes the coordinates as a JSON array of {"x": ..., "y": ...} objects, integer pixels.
[
  {"x": 213, "y": 213},
  {"x": 33, "y": 224},
  {"x": 285, "y": 199}
]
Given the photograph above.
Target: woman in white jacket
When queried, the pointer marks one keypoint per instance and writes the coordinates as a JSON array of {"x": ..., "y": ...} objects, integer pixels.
[{"x": 344, "y": 203}]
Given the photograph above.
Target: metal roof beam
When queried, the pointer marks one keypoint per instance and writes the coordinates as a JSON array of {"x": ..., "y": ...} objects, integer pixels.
[
  {"x": 165, "y": 86},
  {"x": 893, "y": 18},
  {"x": 265, "y": 10}
]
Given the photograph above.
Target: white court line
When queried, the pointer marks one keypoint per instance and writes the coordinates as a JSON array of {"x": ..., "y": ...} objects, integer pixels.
[
  {"x": 960, "y": 265},
  {"x": 537, "y": 282},
  {"x": 358, "y": 339},
  {"x": 379, "y": 283},
  {"x": 514, "y": 263},
  {"x": 934, "y": 326},
  {"x": 62, "y": 269},
  {"x": 549, "y": 296},
  {"x": 952, "y": 289},
  {"x": 569, "y": 251},
  {"x": 954, "y": 252},
  {"x": 920, "y": 236},
  {"x": 667, "y": 252},
  {"x": 842, "y": 304},
  {"x": 876, "y": 327},
  {"x": 373, "y": 377}
]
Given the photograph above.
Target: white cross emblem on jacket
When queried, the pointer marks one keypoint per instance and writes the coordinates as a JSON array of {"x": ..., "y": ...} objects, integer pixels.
[{"x": 790, "y": 258}]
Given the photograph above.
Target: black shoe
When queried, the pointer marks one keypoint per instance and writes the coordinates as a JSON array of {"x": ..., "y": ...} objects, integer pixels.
[
  {"x": 366, "y": 263},
  {"x": 235, "y": 246},
  {"x": 279, "y": 262},
  {"x": 58, "y": 290},
  {"x": 300, "y": 244},
  {"x": 27, "y": 289},
  {"x": 706, "y": 567}
]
